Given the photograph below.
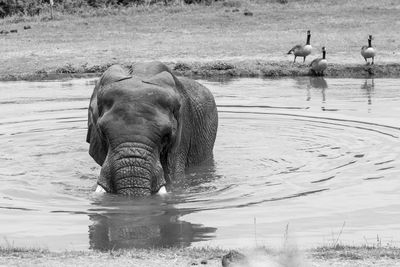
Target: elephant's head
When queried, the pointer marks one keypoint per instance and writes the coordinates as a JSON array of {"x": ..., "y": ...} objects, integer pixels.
[{"x": 134, "y": 129}]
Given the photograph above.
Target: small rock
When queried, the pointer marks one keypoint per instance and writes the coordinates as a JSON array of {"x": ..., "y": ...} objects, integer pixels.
[
  {"x": 27, "y": 27},
  {"x": 235, "y": 10},
  {"x": 247, "y": 13},
  {"x": 14, "y": 31},
  {"x": 3, "y": 32},
  {"x": 234, "y": 258},
  {"x": 203, "y": 262}
]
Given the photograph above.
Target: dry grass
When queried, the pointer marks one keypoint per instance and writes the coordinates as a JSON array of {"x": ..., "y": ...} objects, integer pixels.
[
  {"x": 357, "y": 252},
  {"x": 288, "y": 256},
  {"x": 134, "y": 257},
  {"x": 200, "y": 34}
]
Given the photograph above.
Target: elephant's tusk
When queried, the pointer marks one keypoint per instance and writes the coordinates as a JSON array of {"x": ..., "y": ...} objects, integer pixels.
[
  {"x": 100, "y": 189},
  {"x": 162, "y": 191}
]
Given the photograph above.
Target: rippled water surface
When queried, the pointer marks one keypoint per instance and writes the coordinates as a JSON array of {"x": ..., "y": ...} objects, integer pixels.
[{"x": 319, "y": 155}]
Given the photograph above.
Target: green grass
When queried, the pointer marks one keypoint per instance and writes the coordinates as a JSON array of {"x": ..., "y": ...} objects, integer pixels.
[{"x": 200, "y": 36}]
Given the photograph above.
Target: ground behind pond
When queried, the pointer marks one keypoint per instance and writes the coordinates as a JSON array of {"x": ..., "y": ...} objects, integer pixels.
[{"x": 201, "y": 37}]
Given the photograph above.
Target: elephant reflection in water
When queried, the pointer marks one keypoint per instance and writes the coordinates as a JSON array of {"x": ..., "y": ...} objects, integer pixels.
[
  {"x": 114, "y": 230},
  {"x": 150, "y": 222}
]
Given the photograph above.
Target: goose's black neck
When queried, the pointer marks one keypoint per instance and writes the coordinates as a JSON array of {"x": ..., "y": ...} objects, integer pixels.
[
  {"x": 308, "y": 38},
  {"x": 369, "y": 43},
  {"x": 323, "y": 53}
]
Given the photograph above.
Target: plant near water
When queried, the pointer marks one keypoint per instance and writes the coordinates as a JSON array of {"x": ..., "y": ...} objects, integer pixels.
[
  {"x": 336, "y": 242},
  {"x": 10, "y": 247}
]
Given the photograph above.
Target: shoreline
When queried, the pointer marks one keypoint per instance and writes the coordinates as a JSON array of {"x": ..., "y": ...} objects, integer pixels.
[
  {"x": 289, "y": 255},
  {"x": 220, "y": 69}
]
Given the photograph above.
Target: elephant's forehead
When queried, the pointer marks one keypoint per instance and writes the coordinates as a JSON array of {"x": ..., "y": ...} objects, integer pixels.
[{"x": 137, "y": 90}]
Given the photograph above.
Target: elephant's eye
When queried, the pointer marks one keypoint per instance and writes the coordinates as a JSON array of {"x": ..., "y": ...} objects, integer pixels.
[{"x": 166, "y": 139}]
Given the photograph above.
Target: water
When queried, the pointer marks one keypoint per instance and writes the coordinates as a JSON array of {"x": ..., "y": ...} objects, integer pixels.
[{"x": 321, "y": 156}]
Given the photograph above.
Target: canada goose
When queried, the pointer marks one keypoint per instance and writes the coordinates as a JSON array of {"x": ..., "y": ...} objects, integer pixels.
[
  {"x": 368, "y": 51},
  {"x": 318, "y": 65},
  {"x": 302, "y": 50}
]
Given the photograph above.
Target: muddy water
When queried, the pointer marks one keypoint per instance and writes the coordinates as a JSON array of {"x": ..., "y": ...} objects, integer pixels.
[{"x": 319, "y": 156}]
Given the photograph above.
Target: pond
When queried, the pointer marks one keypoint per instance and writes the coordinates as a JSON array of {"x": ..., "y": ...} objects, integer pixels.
[{"x": 318, "y": 156}]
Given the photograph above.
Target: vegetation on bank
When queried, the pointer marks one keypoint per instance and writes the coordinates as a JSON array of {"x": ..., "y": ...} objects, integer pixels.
[
  {"x": 37, "y": 7},
  {"x": 220, "y": 69},
  {"x": 286, "y": 257}
]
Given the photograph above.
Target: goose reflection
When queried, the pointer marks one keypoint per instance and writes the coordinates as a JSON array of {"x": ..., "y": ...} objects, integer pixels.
[
  {"x": 369, "y": 87},
  {"x": 318, "y": 82},
  {"x": 120, "y": 223}
]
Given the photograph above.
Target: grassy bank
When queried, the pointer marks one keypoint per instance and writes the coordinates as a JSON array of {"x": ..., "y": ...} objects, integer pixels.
[
  {"x": 204, "y": 40},
  {"x": 221, "y": 68},
  {"x": 289, "y": 257}
]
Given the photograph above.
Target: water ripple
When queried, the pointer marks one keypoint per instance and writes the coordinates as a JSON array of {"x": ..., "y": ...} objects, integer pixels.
[{"x": 305, "y": 151}]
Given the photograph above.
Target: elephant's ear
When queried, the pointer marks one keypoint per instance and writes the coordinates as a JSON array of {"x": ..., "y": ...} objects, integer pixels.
[
  {"x": 162, "y": 79},
  {"x": 98, "y": 146}
]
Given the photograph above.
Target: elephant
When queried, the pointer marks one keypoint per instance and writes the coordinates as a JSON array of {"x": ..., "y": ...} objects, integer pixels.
[{"x": 146, "y": 126}]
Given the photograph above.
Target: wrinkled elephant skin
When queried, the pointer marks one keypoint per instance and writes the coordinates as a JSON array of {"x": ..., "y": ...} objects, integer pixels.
[{"x": 145, "y": 126}]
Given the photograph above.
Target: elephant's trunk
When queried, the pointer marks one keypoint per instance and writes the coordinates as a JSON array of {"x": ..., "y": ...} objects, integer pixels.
[
  {"x": 135, "y": 170},
  {"x": 133, "y": 180}
]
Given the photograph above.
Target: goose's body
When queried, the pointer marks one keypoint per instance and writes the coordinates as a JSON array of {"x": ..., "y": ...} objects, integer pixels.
[
  {"x": 319, "y": 65},
  {"x": 302, "y": 50},
  {"x": 368, "y": 51}
]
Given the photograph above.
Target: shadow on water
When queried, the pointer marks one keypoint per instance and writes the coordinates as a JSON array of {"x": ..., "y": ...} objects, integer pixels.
[{"x": 148, "y": 223}]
